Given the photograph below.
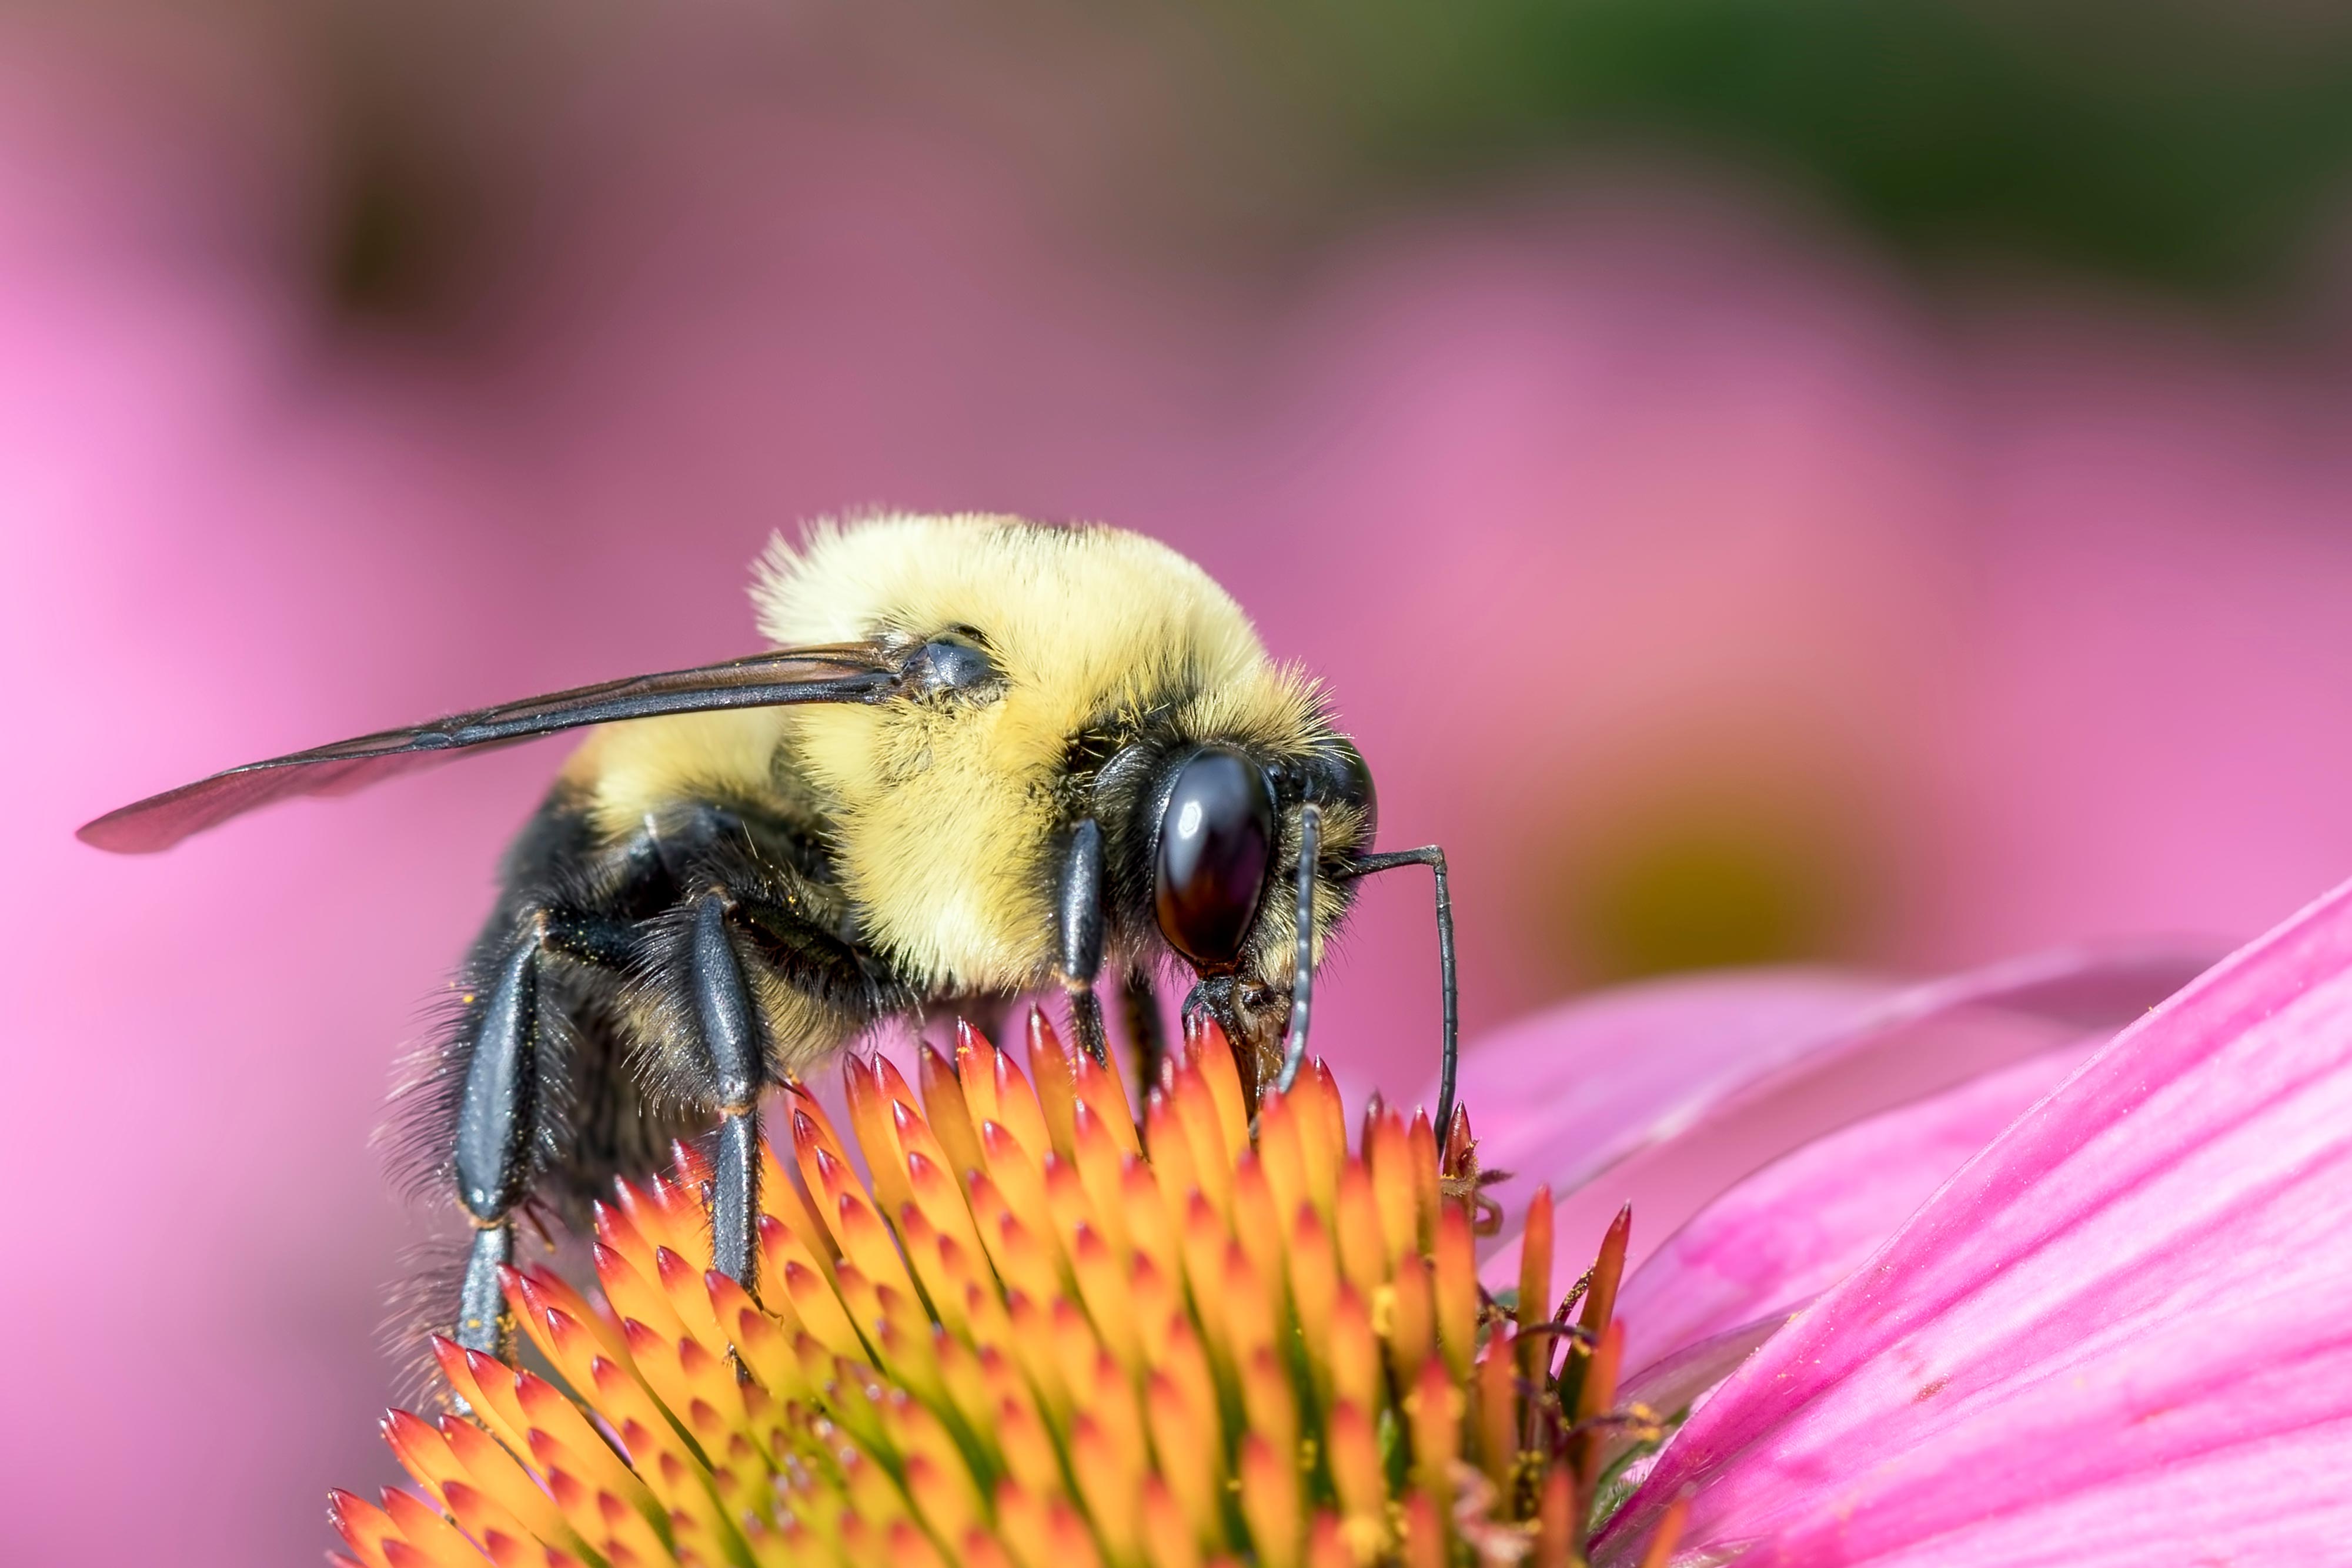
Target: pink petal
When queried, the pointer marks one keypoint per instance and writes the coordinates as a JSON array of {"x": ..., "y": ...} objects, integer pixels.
[
  {"x": 1657, "y": 1098},
  {"x": 1671, "y": 1383},
  {"x": 1801, "y": 1224},
  {"x": 1544, "y": 1110},
  {"x": 2117, "y": 1336}
]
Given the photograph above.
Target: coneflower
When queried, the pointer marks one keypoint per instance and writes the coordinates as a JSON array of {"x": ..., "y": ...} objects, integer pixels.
[
  {"x": 1043, "y": 1333},
  {"x": 2087, "y": 1312}
]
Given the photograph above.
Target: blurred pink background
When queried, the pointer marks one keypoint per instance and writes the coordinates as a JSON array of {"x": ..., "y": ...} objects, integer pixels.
[{"x": 1711, "y": 586}]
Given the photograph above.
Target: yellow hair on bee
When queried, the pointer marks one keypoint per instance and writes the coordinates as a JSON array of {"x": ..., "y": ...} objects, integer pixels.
[
  {"x": 944, "y": 814},
  {"x": 632, "y": 769}
]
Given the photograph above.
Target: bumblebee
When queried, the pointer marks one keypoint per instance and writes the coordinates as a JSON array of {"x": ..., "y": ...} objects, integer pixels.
[{"x": 985, "y": 758}]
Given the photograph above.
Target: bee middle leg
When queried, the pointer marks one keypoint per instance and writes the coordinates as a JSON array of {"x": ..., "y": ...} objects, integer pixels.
[
  {"x": 733, "y": 1060},
  {"x": 723, "y": 961},
  {"x": 1147, "y": 1035}
]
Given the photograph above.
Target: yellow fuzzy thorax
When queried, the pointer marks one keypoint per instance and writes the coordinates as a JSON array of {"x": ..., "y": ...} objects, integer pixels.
[{"x": 943, "y": 816}]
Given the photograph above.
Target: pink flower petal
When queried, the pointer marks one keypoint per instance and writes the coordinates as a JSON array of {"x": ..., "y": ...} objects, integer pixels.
[
  {"x": 1659, "y": 1099},
  {"x": 2117, "y": 1336},
  {"x": 1543, "y": 1111},
  {"x": 1801, "y": 1224},
  {"x": 1670, "y": 1383}
]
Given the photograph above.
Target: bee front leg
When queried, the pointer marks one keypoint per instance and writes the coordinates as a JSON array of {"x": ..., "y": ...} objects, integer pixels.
[{"x": 1078, "y": 910}]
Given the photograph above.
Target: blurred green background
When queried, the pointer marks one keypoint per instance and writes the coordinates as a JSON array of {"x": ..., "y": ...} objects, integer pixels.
[
  {"x": 2197, "y": 147},
  {"x": 2194, "y": 146}
]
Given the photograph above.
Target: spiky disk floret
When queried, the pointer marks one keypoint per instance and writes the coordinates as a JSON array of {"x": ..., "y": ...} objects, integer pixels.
[{"x": 1028, "y": 1343}]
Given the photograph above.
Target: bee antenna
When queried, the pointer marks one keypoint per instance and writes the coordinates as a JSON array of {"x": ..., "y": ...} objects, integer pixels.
[
  {"x": 1432, "y": 856},
  {"x": 1302, "y": 974}
]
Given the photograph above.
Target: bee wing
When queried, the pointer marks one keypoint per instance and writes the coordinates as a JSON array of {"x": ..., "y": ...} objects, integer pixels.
[{"x": 848, "y": 673}]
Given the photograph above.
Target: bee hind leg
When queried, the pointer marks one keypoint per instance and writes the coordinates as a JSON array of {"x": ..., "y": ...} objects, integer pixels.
[{"x": 500, "y": 1104}]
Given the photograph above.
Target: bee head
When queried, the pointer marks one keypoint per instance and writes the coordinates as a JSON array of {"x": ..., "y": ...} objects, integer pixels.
[{"x": 1225, "y": 821}]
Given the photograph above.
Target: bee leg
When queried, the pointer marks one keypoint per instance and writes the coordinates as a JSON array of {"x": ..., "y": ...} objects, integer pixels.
[
  {"x": 1078, "y": 905},
  {"x": 735, "y": 1058},
  {"x": 1449, "y": 1063},
  {"x": 496, "y": 1115},
  {"x": 1302, "y": 973},
  {"x": 718, "y": 960},
  {"x": 1147, "y": 1035},
  {"x": 497, "y": 1109}
]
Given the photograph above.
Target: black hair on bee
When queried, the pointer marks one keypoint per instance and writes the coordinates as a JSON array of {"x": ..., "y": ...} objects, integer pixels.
[{"x": 985, "y": 758}]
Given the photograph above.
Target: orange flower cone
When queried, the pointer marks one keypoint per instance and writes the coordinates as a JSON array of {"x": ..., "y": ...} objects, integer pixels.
[{"x": 1045, "y": 1334}]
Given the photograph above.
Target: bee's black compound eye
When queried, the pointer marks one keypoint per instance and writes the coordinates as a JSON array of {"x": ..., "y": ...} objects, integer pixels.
[
  {"x": 949, "y": 664},
  {"x": 1216, "y": 847}
]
